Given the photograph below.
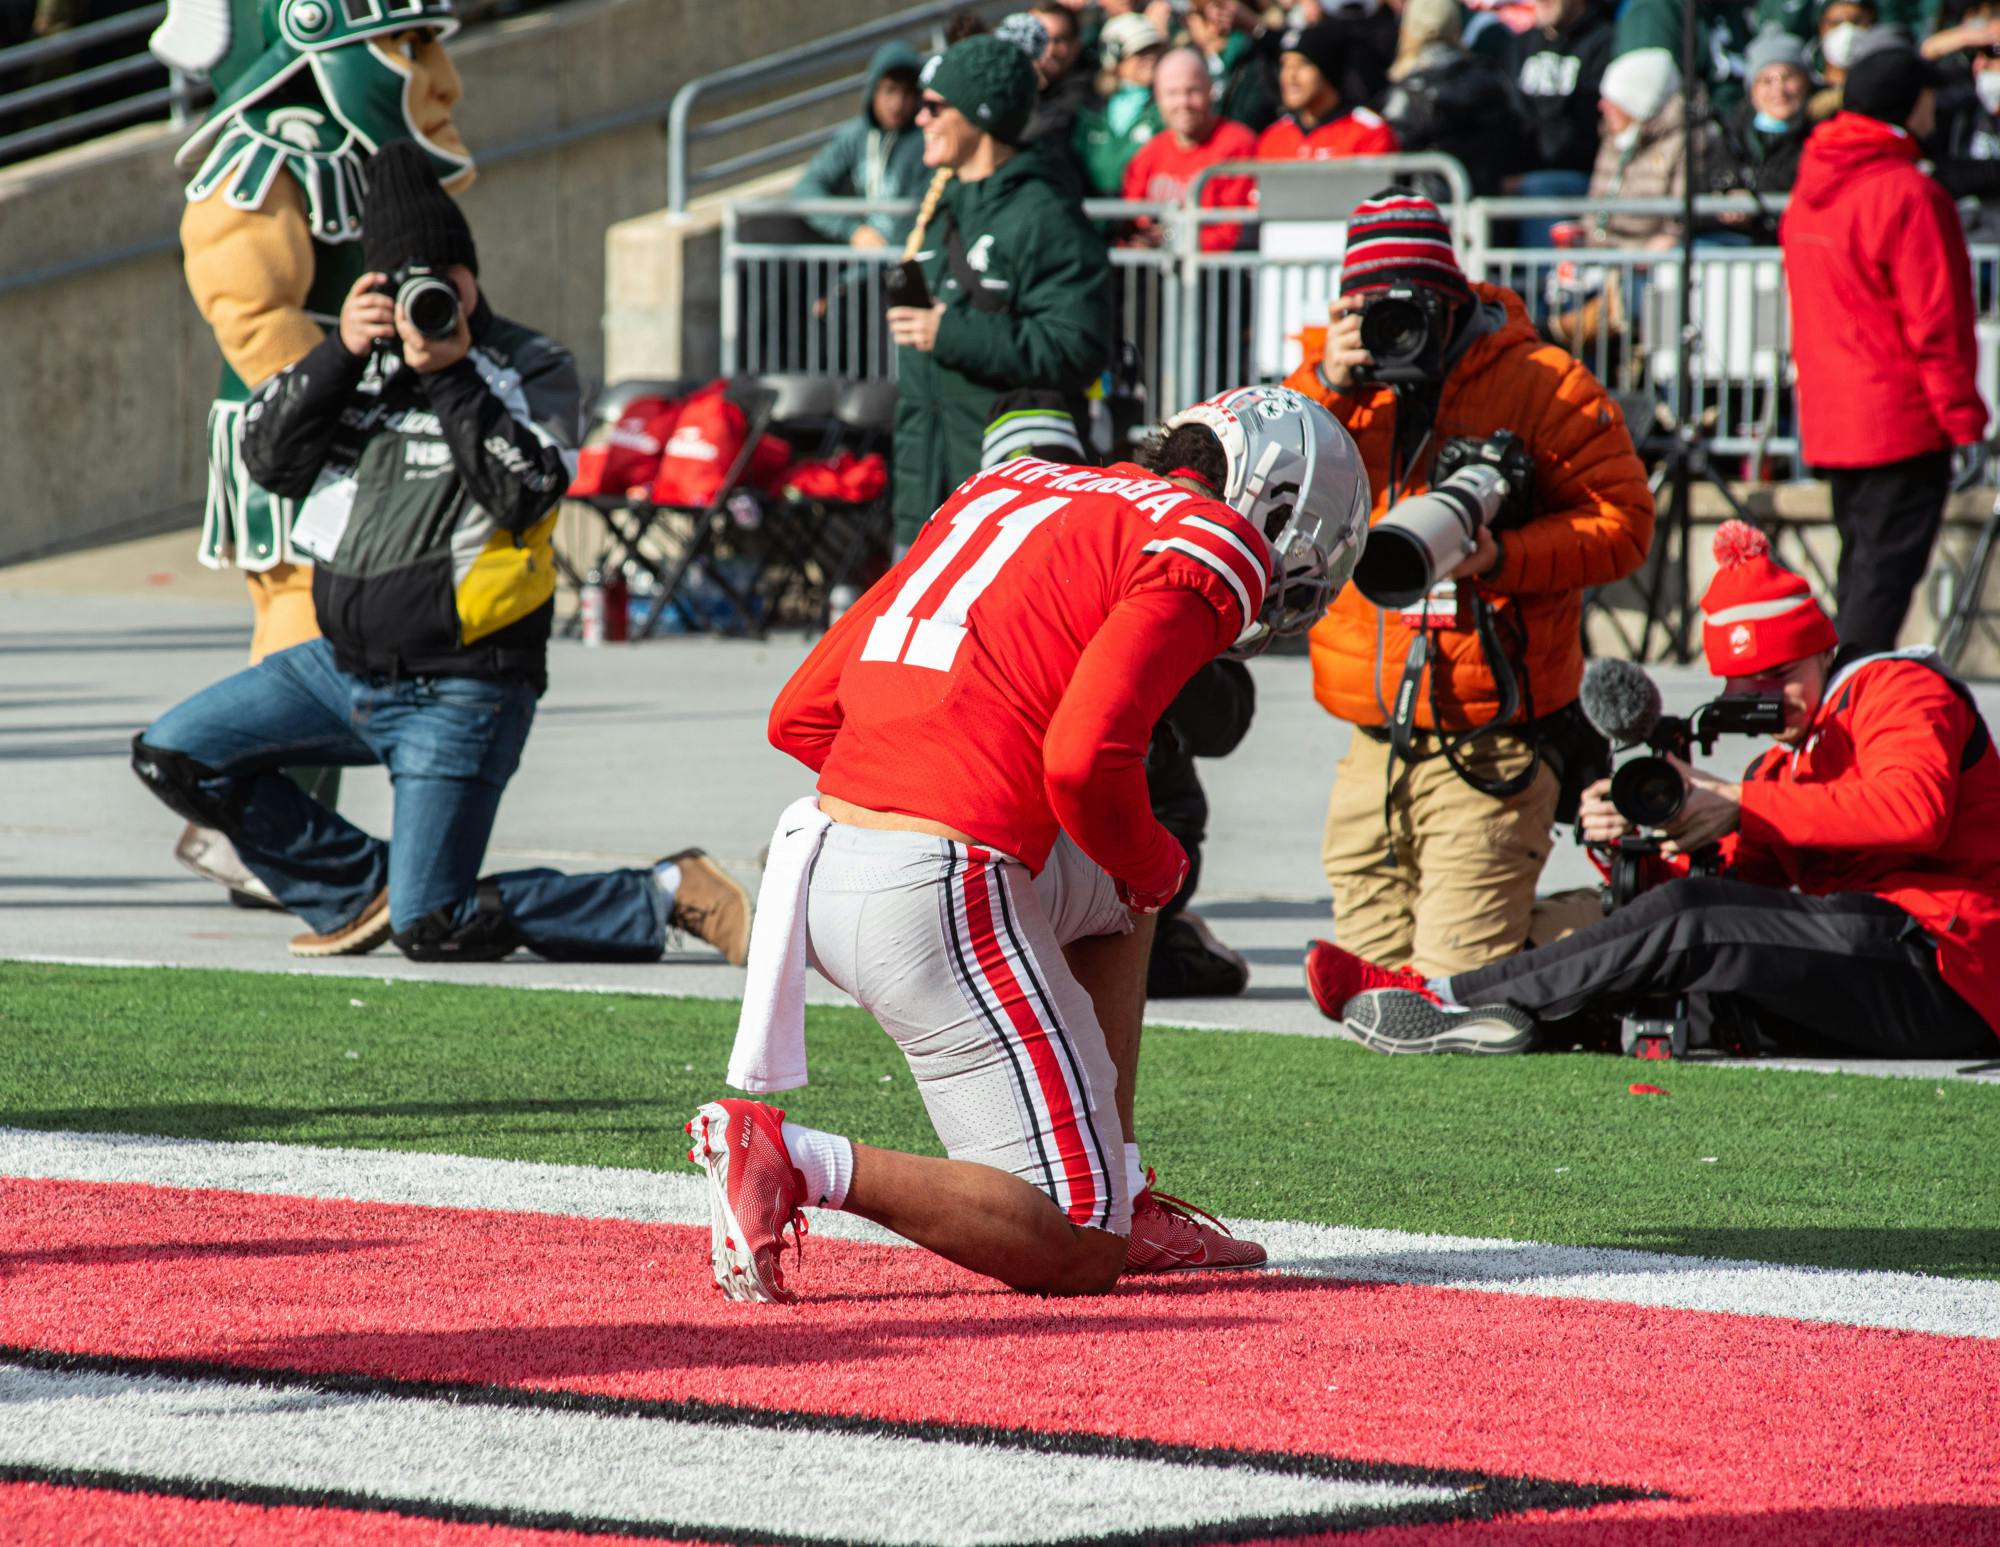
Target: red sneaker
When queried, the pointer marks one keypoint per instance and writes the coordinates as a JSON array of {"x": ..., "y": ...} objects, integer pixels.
[
  {"x": 754, "y": 1193},
  {"x": 1167, "y": 1238},
  {"x": 1336, "y": 976}
]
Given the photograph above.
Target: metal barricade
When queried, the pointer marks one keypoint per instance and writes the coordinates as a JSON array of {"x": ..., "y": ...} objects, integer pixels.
[
  {"x": 795, "y": 304},
  {"x": 1204, "y": 321}
]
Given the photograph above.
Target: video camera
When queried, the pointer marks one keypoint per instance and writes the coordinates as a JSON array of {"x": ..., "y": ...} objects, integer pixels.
[
  {"x": 427, "y": 296},
  {"x": 1475, "y": 483},
  {"x": 1623, "y": 704}
]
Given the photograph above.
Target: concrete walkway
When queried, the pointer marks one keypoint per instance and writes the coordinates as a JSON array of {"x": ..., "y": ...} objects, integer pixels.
[{"x": 637, "y": 751}]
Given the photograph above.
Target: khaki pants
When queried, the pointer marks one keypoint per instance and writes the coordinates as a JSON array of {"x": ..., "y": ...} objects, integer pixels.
[
  {"x": 1460, "y": 891},
  {"x": 281, "y": 598}
]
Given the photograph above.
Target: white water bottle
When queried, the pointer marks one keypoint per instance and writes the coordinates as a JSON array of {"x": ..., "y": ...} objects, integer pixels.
[{"x": 590, "y": 608}]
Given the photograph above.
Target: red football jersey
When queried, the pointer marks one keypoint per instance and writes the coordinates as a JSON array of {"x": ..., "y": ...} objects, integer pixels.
[
  {"x": 1005, "y": 677},
  {"x": 1359, "y": 133}
]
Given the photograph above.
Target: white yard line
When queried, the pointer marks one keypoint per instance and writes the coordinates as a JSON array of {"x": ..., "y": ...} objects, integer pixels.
[
  {"x": 837, "y": 1486},
  {"x": 1841, "y": 1296}
]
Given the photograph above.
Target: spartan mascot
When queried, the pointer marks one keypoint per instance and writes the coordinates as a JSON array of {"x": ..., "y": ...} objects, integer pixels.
[{"x": 306, "y": 91}]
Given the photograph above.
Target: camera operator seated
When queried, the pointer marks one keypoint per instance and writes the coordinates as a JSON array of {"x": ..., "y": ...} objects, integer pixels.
[
  {"x": 427, "y": 441},
  {"x": 1463, "y": 696},
  {"x": 1858, "y": 904}
]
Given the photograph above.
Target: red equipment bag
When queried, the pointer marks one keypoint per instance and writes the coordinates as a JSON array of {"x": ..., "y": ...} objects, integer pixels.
[
  {"x": 630, "y": 456},
  {"x": 842, "y": 478},
  {"x": 707, "y": 439}
]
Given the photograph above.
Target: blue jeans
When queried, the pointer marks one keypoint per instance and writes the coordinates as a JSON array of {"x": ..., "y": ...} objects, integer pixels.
[
  {"x": 1553, "y": 183},
  {"x": 450, "y": 745}
]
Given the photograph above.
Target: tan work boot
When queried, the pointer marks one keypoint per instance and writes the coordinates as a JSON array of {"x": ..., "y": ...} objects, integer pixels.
[
  {"x": 357, "y": 937},
  {"x": 711, "y": 905}
]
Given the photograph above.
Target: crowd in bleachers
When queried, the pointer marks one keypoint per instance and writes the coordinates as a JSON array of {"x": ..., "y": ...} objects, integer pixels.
[{"x": 1551, "y": 98}]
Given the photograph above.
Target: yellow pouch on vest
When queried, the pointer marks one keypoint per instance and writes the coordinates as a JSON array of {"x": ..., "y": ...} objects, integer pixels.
[{"x": 511, "y": 577}]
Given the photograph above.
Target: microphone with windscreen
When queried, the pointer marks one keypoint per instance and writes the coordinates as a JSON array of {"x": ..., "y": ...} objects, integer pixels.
[{"x": 1621, "y": 702}]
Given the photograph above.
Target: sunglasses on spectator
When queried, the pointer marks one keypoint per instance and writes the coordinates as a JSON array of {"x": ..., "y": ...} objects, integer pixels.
[{"x": 931, "y": 105}]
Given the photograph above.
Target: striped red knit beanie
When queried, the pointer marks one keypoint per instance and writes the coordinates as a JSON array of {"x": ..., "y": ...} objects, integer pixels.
[
  {"x": 1399, "y": 238},
  {"x": 1758, "y": 616}
]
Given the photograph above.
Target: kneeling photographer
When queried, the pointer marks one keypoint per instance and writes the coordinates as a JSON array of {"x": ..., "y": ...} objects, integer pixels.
[
  {"x": 1847, "y": 889},
  {"x": 1505, "y": 483},
  {"x": 427, "y": 441}
]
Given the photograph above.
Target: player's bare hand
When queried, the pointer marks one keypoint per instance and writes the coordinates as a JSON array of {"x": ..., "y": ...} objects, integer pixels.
[
  {"x": 867, "y": 237},
  {"x": 1344, "y": 354},
  {"x": 366, "y": 315},
  {"x": 1711, "y": 812},
  {"x": 916, "y": 326},
  {"x": 1600, "y": 821}
]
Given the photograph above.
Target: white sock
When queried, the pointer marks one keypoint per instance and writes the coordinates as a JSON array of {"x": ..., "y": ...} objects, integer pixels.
[
  {"x": 667, "y": 877},
  {"x": 1135, "y": 1174},
  {"x": 1442, "y": 988},
  {"x": 825, "y": 1160}
]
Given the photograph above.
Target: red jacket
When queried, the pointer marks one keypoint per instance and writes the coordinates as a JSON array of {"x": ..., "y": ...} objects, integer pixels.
[
  {"x": 1881, "y": 289},
  {"x": 1896, "y": 792},
  {"x": 1162, "y": 170},
  {"x": 1359, "y": 133}
]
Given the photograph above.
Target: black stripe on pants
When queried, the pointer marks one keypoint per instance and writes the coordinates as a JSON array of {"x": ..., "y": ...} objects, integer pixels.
[
  {"x": 1887, "y": 517},
  {"x": 1848, "y": 970}
]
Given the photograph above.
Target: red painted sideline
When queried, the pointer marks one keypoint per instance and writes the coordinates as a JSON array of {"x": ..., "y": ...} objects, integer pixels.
[
  {"x": 1757, "y": 1420},
  {"x": 38, "y": 1515}
]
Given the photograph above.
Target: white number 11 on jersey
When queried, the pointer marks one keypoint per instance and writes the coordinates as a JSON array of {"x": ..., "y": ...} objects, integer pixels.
[{"x": 932, "y": 642}]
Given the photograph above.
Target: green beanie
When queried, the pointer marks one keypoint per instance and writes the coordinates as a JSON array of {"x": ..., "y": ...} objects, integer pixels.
[{"x": 991, "y": 82}]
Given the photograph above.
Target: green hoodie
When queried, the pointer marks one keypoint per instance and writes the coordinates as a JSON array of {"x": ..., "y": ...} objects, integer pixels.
[
  {"x": 1043, "y": 319},
  {"x": 865, "y": 161},
  {"x": 1109, "y": 133}
]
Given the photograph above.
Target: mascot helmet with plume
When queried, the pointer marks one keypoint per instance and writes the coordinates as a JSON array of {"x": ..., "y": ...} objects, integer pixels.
[{"x": 314, "y": 87}]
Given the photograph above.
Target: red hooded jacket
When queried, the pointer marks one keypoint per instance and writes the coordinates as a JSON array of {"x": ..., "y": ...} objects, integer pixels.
[
  {"x": 1895, "y": 792},
  {"x": 1881, "y": 290}
]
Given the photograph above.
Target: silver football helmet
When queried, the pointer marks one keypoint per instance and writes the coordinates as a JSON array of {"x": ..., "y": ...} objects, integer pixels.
[{"x": 1297, "y": 476}]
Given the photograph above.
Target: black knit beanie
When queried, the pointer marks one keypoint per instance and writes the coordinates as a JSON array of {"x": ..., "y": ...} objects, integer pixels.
[
  {"x": 408, "y": 217},
  {"x": 1886, "y": 76}
]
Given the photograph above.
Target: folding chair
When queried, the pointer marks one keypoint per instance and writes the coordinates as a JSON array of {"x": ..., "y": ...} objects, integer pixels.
[
  {"x": 824, "y": 541},
  {"x": 623, "y": 529},
  {"x": 706, "y": 527}
]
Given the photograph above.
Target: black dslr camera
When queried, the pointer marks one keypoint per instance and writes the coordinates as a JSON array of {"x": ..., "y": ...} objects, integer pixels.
[
  {"x": 428, "y": 298},
  {"x": 1405, "y": 329}
]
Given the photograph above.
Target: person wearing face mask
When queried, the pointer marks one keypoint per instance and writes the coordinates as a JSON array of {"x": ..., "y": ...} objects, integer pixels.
[
  {"x": 1644, "y": 152},
  {"x": 1965, "y": 147},
  {"x": 1840, "y": 26},
  {"x": 1111, "y": 129},
  {"x": 1882, "y": 333},
  {"x": 1764, "y": 137},
  {"x": 1858, "y": 904},
  {"x": 270, "y": 242}
]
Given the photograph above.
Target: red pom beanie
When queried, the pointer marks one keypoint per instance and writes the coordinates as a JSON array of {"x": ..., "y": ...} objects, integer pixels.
[{"x": 1758, "y": 615}]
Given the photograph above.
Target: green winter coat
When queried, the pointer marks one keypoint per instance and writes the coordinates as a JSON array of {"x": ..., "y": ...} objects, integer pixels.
[
  {"x": 865, "y": 161},
  {"x": 1042, "y": 319}
]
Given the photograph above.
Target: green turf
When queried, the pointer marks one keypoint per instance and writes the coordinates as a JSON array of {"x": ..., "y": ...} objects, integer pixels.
[{"x": 1806, "y": 1168}]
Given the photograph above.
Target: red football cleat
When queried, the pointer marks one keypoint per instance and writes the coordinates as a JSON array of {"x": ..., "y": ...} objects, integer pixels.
[
  {"x": 1335, "y": 976},
  {"x": 754, "y": 1194},
  {"x": 1167, "y": 1238}
]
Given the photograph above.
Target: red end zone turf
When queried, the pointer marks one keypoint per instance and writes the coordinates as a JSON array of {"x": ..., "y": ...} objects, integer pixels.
[{"x": 1758, "y": 1429}]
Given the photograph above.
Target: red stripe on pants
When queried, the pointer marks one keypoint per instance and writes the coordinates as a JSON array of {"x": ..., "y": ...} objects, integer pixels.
[{"x": 1008, "y": 996}]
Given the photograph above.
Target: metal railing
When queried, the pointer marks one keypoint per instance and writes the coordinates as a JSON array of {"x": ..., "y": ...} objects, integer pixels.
[
  {"x": 1203, "y": 321},
  {"x": 36, "y": 112},
  {"x": 759, "y": 76}
]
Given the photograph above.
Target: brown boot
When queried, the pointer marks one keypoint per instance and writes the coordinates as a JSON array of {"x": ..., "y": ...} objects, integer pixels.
[
  {"x": 357, "y": 937},
  {"x": 711, "y": 905}
]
